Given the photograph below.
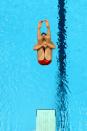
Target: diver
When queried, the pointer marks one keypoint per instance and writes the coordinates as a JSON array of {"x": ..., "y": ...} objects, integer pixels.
[{"x": 45, "y": 45}]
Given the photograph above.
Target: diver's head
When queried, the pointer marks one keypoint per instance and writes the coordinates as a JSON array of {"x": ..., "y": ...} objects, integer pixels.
[{"x": 43, "y": 36}]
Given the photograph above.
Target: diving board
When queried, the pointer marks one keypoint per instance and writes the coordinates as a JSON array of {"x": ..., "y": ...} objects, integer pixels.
[{"x": 45, "y": 120}]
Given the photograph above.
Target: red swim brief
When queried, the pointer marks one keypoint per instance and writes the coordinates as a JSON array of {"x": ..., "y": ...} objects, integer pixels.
[{"x": 44, "y": 62}]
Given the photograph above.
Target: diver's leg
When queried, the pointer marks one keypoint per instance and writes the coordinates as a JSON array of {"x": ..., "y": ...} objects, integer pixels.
[
  {"x": 48, "y": 53},
  {"x": 41, "y": 54}
]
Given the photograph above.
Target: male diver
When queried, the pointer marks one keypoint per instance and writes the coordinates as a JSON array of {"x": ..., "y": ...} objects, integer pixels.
[{"x": 45, "y": 45}]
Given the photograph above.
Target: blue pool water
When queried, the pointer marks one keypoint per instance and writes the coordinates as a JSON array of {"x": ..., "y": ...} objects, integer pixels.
[{"x": 24, "y": 84}]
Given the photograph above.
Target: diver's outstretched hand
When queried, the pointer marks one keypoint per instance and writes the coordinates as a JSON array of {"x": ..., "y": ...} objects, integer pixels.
[
  {"x": 47, "y": 23},
  {"x": 40, "y": 24}
]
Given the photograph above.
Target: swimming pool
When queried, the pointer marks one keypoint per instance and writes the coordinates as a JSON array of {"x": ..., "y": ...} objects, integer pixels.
[{"x": 24, "y": 84}]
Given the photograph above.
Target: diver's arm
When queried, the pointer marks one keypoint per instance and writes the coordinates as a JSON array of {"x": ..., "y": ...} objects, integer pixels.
[
  {"x": 39, "y": 33},
  {"x": 51, "y": 45},
  {"x": 48, "y": 28},
  {"x": 48, "y": 31},
  {"x": 38, "y": 46}
]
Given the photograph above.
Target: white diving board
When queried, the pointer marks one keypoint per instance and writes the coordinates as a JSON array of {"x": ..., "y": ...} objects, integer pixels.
[{"x": 45, "y": 120}]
